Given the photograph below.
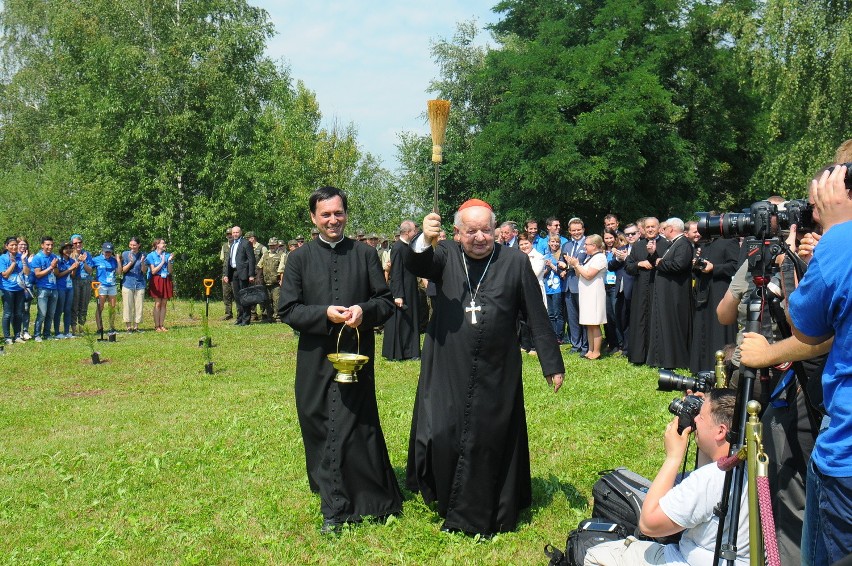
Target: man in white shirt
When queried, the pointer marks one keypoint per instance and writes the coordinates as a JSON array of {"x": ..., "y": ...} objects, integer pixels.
[{"x": 687, "y": 506}]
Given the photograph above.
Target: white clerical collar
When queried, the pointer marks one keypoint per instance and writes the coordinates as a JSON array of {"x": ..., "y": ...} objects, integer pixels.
[{"x": 331, "y": 244}]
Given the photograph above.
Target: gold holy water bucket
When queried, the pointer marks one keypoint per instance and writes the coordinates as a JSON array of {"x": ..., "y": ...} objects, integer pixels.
[{"x": 347, "y": 365}]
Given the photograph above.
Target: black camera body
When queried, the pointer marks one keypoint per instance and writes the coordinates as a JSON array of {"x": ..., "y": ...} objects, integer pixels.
[
  {"x": 701, "y": 382},
  {"x": 700, "y": 264},
  {"x": 762, "y": 220},
  {"x": 686, "y": 410}
]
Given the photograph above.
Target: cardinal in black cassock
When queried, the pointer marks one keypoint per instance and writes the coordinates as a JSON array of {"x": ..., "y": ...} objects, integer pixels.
[
  {"x": 402, "y": 331},
  {"x": 331, "y": 284},
  {"x": 671, "y": 309},
  {"x": 708, "y": 334},
  {"x": 468, "y": 449},
  {"x": 641, "y": 264}
]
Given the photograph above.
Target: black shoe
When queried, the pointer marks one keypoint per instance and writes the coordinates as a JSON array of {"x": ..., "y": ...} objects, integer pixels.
[
  {"x": 330, "y": 527},
  {"x": 228, "y": 317}
]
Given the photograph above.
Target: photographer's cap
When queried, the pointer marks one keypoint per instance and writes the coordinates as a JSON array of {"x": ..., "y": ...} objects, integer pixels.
[{"x": 107, "y": 247}]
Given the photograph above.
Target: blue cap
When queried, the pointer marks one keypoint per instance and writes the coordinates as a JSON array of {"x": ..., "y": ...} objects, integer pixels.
[
  {"x": 107, "y": 247},
  {"x": 75, "y": 236}
]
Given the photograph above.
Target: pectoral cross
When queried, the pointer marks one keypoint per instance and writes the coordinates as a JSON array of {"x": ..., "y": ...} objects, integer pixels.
[{"x": 472, "y": 310}]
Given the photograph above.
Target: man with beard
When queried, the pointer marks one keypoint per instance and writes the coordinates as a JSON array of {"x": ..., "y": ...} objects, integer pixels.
[{"x": 468, "y": 450}]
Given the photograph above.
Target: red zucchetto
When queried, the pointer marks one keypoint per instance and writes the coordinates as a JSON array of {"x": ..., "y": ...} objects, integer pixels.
[{"x": 474, "y": 202}]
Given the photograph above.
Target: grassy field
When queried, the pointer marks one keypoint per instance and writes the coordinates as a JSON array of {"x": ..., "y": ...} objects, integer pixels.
[{"x": 144, "y": 459}]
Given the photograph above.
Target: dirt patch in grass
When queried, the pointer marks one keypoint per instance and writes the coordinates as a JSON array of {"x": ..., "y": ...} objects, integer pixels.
[{"x": 85, "y": 393}]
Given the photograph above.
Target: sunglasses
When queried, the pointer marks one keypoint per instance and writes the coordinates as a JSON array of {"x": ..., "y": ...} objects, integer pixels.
[{"x": 630, "y": 233}]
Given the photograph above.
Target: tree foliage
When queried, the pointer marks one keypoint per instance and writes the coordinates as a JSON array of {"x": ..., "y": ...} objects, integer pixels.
[
  {"x": 165, "y": 119},
  {"x": 643, "y": 107}
]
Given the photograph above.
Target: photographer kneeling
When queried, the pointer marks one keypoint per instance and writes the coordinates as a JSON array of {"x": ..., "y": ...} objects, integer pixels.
[{"x": 687, "y": 506}]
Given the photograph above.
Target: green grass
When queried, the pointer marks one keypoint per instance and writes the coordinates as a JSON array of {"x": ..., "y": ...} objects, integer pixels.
[{"x": 146, "y": 460}]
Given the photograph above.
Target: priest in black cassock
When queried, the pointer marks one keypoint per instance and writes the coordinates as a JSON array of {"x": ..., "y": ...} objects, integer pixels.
[
  {"x": 671, "y": 309},
  {"x": 641, "y": 264},
  {"x": 402, "y": 330},
  {"x": 711, "y": 283},
  {"x": 332, "y": 287},
  {"x": 468, "y": 449}
]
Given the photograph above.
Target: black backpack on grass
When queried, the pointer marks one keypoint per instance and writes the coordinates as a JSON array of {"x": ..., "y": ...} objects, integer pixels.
[{"x": 589, "y": 533}]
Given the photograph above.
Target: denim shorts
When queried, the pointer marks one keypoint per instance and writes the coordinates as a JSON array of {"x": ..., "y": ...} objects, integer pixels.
[{"x": 108, "y": 291}]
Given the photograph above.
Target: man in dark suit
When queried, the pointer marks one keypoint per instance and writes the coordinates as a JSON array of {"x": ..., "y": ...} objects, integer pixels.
[
  {"x": 575, "y": 247},
  {"x": 509, "y": 230},
  {"x": 239, "y": 271},
  {"x": 624, "y": 284}
]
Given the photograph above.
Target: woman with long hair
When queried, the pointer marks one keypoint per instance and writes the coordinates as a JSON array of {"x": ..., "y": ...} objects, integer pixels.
[
  {"x": 592, "y": 299},
  {"x": 29, "y": 281},
  {"x": 162, "y": 289},
  {"x": 134, "y": 267},
  {"x": 14, "y": 269},
  {"x": 613, "y": 330},
  {"x": 554, "y": 284},
  {"x": 65, "y": 290}
]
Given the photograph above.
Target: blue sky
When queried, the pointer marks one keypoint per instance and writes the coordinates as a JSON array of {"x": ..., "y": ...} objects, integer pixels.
[{"x": 368, "y": 62}]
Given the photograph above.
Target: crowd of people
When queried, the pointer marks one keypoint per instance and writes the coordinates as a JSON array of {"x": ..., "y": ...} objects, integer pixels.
[
  {"x": 61, "y": 285},
  {"x": 662, "y": 295},
  {"x": 647, "y": 291}
]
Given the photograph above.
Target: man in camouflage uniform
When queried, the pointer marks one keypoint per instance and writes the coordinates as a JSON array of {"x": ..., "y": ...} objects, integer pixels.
[
  {"x": 259, "y": 250},
  {"x": 268, "y": 267},
  {"x": 227, "y": 290}
]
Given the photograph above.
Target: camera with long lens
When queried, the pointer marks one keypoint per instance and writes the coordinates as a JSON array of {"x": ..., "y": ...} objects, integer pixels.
[
  {"x": 764, "y": 219},
  {"x": 686, "y": 410},
  {"x": 702, "y": 382}
]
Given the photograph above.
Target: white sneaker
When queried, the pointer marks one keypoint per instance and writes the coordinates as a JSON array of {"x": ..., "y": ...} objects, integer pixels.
[
  {"x": 38, "y": 338},
  {"x": 9, "y": 341},
  {"x": 19, "y": 340},
  {"x": 26, "y": 336}
]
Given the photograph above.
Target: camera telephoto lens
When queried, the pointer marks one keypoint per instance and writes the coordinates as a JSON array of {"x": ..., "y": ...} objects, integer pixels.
[{"x": 702, "y": 382}]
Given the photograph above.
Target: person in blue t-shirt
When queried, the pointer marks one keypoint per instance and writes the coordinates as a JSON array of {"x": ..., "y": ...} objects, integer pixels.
[
  {"x": 82, "y": 280},
  {"x": 14, "y": 268},
  {"x": 44, "y": 266},
  {"x": 29, "y": 287},
  {"x": 107, "y": 266},
  {"x": 821, "y": 308},
  {"x": 160, "y": 265},
  {"x": 65, "y": 289},
  {"x": 134, "y": 267}
]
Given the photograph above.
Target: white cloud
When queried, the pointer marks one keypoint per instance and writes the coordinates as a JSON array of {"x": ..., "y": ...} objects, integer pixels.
[{"x": 368, "y": 62}]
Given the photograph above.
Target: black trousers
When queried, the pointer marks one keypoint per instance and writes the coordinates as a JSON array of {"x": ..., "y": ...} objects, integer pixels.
[{"x": 243, "y": 313}]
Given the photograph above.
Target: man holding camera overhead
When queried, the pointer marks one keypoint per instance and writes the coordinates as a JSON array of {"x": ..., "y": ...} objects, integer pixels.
[{"x": 688, "y": 506}]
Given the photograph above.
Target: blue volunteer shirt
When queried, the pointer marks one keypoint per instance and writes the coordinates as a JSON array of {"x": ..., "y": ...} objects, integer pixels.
[
  {"x": 43, "y": 261},
  {"x": 821, "y": 305},
  {"x": 154, "y": 260},
  {"x": 10, "y": 283},
  {"x": 65, "y": 282},
  {"x": 81, "y": 272},
  {"x": 133, "y": 278},
  {"x": 106, "y": 270}
]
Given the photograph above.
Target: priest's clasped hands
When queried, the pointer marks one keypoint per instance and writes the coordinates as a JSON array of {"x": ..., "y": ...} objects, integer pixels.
[{"x": 350, "y": 316}]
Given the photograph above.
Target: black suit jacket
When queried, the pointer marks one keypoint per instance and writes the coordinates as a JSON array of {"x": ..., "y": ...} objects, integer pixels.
[
  {"x": 622, "y": 276},
  {"x": 244, "y": 260}
]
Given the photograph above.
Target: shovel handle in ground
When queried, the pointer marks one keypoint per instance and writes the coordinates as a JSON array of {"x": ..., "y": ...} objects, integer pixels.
[{"x": 208, "y": 284}]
